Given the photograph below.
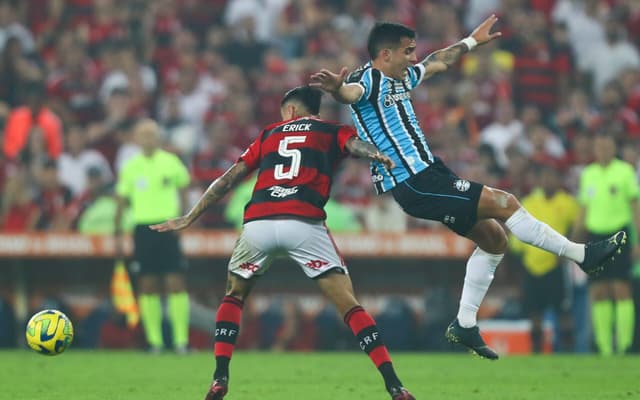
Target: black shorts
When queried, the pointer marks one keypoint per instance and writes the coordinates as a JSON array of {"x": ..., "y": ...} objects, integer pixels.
[
  {"x": 438, "y": 194},
  {"x": 545, "y": 291},
  {"x": 620, "y": 268},
  {"x": 156, "y": 252}
]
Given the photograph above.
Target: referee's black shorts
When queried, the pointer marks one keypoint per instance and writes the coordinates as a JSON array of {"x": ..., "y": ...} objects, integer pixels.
[
  {"x": 438, "y": 194},
  {"x": 157, "y": 252},
  {"x": 620, "y": 268}
]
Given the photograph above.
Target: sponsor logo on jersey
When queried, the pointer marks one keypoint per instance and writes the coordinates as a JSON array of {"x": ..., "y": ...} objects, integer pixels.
[
  {"x": 280, "y": 192},
  {"x": 462, "y": 185},
  {"x": 316, "y": 264},
  {"x": 391, "y": 99}
]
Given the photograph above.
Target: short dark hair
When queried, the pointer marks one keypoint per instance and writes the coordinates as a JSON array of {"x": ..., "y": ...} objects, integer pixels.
[
  {"x": 309, "y": 97},
  {"x": 387, "y": 35}
]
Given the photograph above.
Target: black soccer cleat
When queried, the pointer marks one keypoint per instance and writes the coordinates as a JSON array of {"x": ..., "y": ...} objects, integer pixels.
[
  {"x": 598, "y": 255},
  {"x": 469, "y": 337},
  {"x": 218, "y": 390},
  {"x": 400, "y": 393}
]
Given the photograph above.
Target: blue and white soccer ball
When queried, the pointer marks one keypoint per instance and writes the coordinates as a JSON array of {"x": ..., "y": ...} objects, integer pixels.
[{"x": 49, "y": 332}]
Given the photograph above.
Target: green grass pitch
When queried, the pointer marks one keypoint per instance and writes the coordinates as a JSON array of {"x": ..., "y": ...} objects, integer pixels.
[{"x": 111, "y": 375}]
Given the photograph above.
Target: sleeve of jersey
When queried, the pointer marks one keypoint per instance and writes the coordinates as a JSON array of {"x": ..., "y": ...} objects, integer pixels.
[
  {"x": 416, "y": 74},
  {"x": 123, "y": 186},
  {"x": 634, "y": 189},
  {"x": 344, "y": 134},
  {"x": 363, "y": 79},
  {"x": 251, "y": 156}
]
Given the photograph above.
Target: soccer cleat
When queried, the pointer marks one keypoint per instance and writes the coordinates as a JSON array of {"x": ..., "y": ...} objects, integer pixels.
[
  {"x": 400, "y": 393},
  {"x": 469, "y": 337},
  {"x": 598, "y": 255},
  {"x": 218, "y": 390}
]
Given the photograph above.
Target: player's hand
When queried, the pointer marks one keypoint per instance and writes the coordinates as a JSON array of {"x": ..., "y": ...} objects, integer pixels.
[
  {"x": 174, "y": 224},
  {"x": 482, "y": 34},
  {"x": 327, "y": 80},
  {"x": 387, "y": 161}
]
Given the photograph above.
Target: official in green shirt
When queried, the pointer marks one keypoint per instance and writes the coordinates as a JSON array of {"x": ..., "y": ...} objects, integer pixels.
[
  {"x": 150, "y": 183},
  {"x": 608, "y": 196}
]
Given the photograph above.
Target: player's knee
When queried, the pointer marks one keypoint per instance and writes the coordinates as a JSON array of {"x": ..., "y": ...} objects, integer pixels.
[
  {"x": 501, "y": 240},
  {"x": 498, "y": 239},
  {"x": 237, "y": 288}
]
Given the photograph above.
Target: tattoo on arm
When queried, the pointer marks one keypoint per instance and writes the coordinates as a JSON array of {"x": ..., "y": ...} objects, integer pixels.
[
  {"x": 219, "y": 188},
  {"x": 360, "y": 148},
  {"x": 449, "y": 55}
]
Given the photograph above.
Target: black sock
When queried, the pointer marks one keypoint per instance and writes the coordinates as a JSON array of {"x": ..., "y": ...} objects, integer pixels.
[
  {"x": 222, "y": 367},
  {"x": 389, "y": 375}
]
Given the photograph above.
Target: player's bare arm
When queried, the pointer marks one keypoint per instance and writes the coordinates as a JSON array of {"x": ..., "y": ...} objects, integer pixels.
[
  {"x": 360, "y": 148},
  {"x": 216, "y": 191},
  {"x": 330, "y": 82},
  {"x": 440, "y": 60}
]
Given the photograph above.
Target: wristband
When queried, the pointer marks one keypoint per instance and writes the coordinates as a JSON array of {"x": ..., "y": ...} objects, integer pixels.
[{"x": 470, "y": 42}]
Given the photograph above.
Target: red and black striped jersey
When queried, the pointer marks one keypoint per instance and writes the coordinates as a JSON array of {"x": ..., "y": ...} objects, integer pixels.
[{"x": 296, "y": 160}]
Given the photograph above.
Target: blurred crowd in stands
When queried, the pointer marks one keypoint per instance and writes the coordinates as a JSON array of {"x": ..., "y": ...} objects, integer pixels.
[{"x": 76, "y": 74}]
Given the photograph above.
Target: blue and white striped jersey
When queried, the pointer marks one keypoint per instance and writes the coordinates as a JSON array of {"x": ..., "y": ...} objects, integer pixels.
[{"x": 385, "y": 117}]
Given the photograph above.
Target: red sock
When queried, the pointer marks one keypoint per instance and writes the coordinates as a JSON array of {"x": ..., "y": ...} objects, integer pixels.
[
  {"x": 364, "y": 328},
  {"x": 227, "y": 329}
]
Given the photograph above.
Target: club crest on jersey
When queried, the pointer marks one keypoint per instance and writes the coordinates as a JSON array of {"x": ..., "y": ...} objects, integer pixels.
[
  {"x": 280, "y": 192},
  {"x": 462, "y": 185}
]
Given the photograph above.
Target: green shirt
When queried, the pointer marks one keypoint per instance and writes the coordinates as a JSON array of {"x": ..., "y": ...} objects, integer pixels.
[
  {"x": 606, "y": 193},
  {"x": 152, "y": 186}
]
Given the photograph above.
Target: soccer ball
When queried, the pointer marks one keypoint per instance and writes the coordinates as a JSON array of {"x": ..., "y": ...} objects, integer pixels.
[{"x": 49, "y": 332}]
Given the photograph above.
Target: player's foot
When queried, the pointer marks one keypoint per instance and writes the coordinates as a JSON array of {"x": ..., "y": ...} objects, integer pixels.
[
  {"x": 218, "y": 390},
  {"x": 155, "y": 350},
  {"x": 598, "y": 255},
  {"x": 181, "y": 350},
  {"x": 400, "y": 393},
  {"x": 469, "y": 337}
]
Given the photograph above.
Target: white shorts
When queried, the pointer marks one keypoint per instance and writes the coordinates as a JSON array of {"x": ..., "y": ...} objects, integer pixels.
[{"x": 307, "y": 243}]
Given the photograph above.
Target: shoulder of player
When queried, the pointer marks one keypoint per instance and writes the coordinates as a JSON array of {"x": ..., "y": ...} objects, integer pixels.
[
  {"x": 624, "y": 166},
  {"x": 356, "y": 75}
]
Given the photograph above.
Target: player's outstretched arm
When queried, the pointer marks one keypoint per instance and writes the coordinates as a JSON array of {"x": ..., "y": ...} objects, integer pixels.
[
  {"x": 334, "y": 84},
  {"x": 440, "y": 60},
  {"x": 216, "y": 191},
  {"x": 360, "y": 148}
]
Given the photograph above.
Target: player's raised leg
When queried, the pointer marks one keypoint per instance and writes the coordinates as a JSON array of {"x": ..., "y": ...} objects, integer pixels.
[
  {"x": 338, "y": 288},
  {"x": 591, "y": 257}
]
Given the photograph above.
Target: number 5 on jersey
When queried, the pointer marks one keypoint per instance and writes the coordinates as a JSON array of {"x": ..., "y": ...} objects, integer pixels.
[{"x": 294, "y": 154}]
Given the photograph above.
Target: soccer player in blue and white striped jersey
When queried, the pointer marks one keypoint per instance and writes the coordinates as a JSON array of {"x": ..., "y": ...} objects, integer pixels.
[{"x": 379, "y": 96}]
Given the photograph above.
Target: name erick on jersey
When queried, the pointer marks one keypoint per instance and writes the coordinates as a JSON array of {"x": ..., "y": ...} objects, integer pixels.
[
  {"x": 296, "y": 160},
  {"x": 384, "y": 116}
]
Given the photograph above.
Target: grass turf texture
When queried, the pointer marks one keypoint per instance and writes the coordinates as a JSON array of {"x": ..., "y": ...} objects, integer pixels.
[{"x": 110, "y": 375}]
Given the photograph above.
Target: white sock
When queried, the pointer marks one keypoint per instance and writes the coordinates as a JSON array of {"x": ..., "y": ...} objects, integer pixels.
[
  {"x": 481, "y": 267},
  {"x": 536, "y": 233}
]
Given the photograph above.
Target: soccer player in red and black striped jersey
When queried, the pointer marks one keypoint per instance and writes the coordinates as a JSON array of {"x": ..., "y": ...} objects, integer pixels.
[{"x": 295, "y": 159}]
